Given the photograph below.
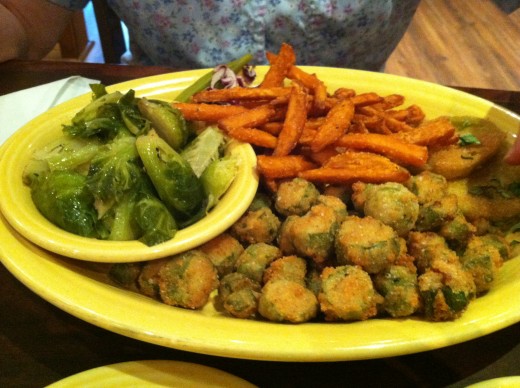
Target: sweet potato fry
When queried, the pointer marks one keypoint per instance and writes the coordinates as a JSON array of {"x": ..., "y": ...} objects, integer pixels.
[
  {"x": 351, "y": 175},
  {"x": 336, "y": 124},
  {"x": 294, "y": 122},
  {"x": 254, "y": 137},
  {"x": 351, "y": 166},
  {"x": 207, "y": 112},
  {"x": 311, "y": 82},
  {"x": 239, "y": 93},
  {"x": 432, "y": 133},
  {"x": 279, "y": 67},
  {"x": 249, "y": 119},
  {"x": 276, "y": 167},
  {"x": 390, "y": 146}
]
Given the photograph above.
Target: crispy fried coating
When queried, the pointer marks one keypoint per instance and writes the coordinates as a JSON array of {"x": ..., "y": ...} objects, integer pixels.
[
  {"x": 347, "y": 294},
  {"x": 255, "y": 259},
  {"x": 223, "y": 252},
  {"x": 446, "y": 290},
  {"x": 287, "y": 267},
  {"x": 392, "y": 203},
  {"x": 238, "y": 295},
  {"x": 256, "y": 226},
  {"x": 482, "y": 260},
  {"x": 367, "y": 242},
  {"x": 287, "y": 301},
  {"x": 295, "y": 197},
  {"x": 187, "y": 280},
  {"x": 398, "y": 286}
]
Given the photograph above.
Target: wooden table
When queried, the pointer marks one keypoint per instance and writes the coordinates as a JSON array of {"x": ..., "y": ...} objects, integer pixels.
[{"x": 41, "y": 344}]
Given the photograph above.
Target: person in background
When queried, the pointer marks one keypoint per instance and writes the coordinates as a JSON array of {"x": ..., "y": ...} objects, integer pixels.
[{"x": 359, "y": 34}]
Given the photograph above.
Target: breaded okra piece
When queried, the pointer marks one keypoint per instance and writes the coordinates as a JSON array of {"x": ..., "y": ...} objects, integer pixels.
[
  {"x": 367, "y": 242},
  {"x": 187, "y": 280},
  {"x": 311, "y": 235},
  {"x": 238, "y": 295},
  {"x": 398, "y": 285},
  {"x": 392, "y": 203},
  {"x": 255, "y": 259},
  {"x": 287, "y": 301},
  {"x": 348, "y": 294},
  {"x": 446, "y": 290},
  {"x": 223, "y": 252},
  {"x": 482, "y": 260},
  {"x": 295, "y": 197},
  {"x": 256, "y": 226}
]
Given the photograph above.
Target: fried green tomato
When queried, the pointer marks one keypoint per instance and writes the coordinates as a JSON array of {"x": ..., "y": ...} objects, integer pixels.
[
  {"x": 311, "y": 235},
  {"x": 287, "y": 301},
  {"x": 482, "y": 260},
  {"x": 295, "y": 197},
  {"x": 255, "y": 259},
  {"x": 367, "y": 242},
  {"x": 257, "y": 226},
  {"x": 392, "y": 203},
  {"x": 398, "y": 286},
  {"x": 426, "y": 247},
  {"x": 187, "y": 280},
  {"x": 446, "y": 290},
  {"x": 238, "y": 295},
  {"x": 287, "y": 267},
  {"x": 223, "y": 252},
  {"x": 347, "y": 294}
]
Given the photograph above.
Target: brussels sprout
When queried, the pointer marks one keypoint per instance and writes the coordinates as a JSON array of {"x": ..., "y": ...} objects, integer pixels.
[
  {"x": 167, "y": 121},
  {"x": 115, "y": 170},
  {"x": 154, "y": 219},
  {"x": 173, "y": 178},
  {"x": 217, "y": 178},
  {"x": 64, "y": 199},
  {"x": 136, "y": 123},
  {"x": 204, "y": 149}
]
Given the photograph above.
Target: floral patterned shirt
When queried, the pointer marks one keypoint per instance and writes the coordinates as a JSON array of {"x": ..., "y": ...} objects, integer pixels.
[{"x": 202, "y": 33}]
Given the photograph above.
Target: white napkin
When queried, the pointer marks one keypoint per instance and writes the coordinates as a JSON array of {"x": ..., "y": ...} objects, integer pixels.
[{"x": 19, "y": 107}]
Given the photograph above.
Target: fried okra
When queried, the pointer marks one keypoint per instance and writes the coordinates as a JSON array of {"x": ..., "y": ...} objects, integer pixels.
[
  {"x": 398, "y": 286},
  {"x": 428, "y": 186},
  {"x": 457, "y": 232},
  {"x": 255, "y": 259},
  {"x": 367, "y": 242},
  {"x": 223, "y": 252},
  {"x": 187, "y": 280},
  {"x": 295, "y": 197},
  {"x": 287, "y": 267},
  {"x": 238, "y": 295},
  {"x": 426, "y": 247},
  {"x": 287, "y": 301},
  {"x": 125, "y": 274},
  {"x": 392, "y": 203},
  {"x": 257, "y": 226},
  {"x": 336, "y": 204},
  {"x": 446, "y": 290},
  {"x": 347, "y": 294},
  {"x": 147, "y": 281},
  {"x": 482, "y": 260},
  {"x": 311, "y": 235}
]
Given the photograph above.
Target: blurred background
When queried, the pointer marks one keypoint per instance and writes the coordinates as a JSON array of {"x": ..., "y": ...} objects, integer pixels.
[{"x": 473, "y": 43}]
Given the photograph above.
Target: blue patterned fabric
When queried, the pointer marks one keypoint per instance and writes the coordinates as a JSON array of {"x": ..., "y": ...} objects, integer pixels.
[{"x": 202, "y": 33}]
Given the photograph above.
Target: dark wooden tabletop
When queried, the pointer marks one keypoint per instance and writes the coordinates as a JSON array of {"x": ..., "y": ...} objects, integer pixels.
[{"x": 41, "y": 344}]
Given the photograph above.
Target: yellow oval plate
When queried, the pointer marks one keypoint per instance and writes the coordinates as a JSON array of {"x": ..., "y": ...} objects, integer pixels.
[
  {"x": 153, "y": 373},
  {"x": 76, "y": 287},
  {"x": 17, "y": 206}
]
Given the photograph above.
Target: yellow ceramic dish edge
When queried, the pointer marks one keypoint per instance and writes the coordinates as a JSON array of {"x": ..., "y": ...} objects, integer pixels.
[
  {"x": 153, "y": 373},
  {"x": 77, "y": 289},
  {"x": 17, "y": 206}
]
